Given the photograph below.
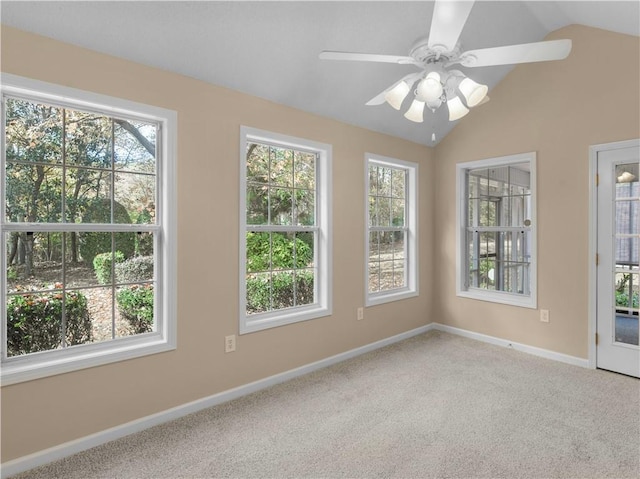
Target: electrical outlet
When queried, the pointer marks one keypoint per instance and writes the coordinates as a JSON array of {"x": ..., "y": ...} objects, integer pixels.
[
  {"x": 544, "y": 315},
  {"x": 230, "y": 343},
  {"x": 360, "y": 313}
]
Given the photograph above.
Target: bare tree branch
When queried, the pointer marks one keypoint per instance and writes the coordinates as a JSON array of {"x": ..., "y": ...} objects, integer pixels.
[{"x": 150, "y": 147}]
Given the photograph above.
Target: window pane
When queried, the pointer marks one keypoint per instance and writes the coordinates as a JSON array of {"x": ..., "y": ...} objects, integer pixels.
[
  {"x": 258, "y": 163},
  {"x": 130, "y": 266},
  {"x": 398, "y": 274},
  {"x": 258, "y": 252},
  {"x": 33, "y": 132},
  {"x": 135, "y": 146},
  {"x": 305, "y": 287},
  {"x": 373, "y": 211},
  {"x": 398, "y": 183},
  {"x": 88, "y": 197},
  {"x": 387, "y": 279},
  {"x": 305, "y": 164},
  {"x": 627, "y": 180},
  {"x": 136, "y": 193},
  {"x": 281, "y": 167},
  {"x": 92, "y": 266},
  {"x": 398, "y": 244},
  {"x": 88, "y": 139},
  {"x": 281, "y": 206},
  {"x": 373, "y": 180},
  {"x": 374, "y": 277},
  {"x": 283, "y": 289},
  {"x": 258, "y": 292},
  {"x": 305, "y": 245},
  {"x": 34, "y": 260},
  {"x": 135, "y": 309},
  {"x": 34, "y": 322},
  {"x": 33, "y": 194},
  {"x": 384, "y": 181},
  {"x": 398, "y": 212},
  {"x": 305, "y": 207},
  {"x": 384, "y": 211},
  {"x": 257, "y": 204},
  {"x": 283, "y": 250},
  {"x": 627, "y": 216}
]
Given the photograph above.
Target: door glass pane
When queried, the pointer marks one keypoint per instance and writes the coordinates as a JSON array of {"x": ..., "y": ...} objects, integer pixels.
[{"x": 627, "y": 239}]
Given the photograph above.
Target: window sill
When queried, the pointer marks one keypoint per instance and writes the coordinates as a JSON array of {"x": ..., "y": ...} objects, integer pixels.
[
  {"x": 381, "y": 298},
  {"x": 50, "y": 363},
  {"x": 262, "y": 321},
  {"x": 500, "y": 297}
]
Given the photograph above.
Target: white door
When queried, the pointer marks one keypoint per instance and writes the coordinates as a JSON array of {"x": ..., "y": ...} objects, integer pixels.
[{"x": 618, "y": 272}]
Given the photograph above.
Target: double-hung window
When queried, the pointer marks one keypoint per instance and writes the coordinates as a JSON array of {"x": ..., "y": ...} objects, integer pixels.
[
  {"x": 285, "y": 265},
  {"x": 497, "y": 230},
  {"x": 391, "y": 236},
  {"x": 86, "y": 229}
]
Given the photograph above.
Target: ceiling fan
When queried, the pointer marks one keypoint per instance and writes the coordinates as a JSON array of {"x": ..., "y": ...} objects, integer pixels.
[{"x": 434, "y": 55}]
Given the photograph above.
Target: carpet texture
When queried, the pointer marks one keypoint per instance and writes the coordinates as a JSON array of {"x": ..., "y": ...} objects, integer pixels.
[{"x": 435, "y": 405}]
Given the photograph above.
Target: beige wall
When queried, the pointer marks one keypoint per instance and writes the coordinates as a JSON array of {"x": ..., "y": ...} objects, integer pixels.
[
  {"x": 557, "y": 109},
  {"x": 46, "y": 412}
]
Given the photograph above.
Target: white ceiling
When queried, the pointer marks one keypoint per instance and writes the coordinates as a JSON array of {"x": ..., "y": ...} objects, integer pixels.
[{"x": 270, "y": 49}]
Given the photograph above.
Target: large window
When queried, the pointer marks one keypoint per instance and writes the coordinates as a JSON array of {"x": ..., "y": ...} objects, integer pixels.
[
  {"x": 285, "y": 230},
  {"x": 391, "y": 208},
  {"x": 85, "y": 230},
  {"x": 496, "y": 204}
]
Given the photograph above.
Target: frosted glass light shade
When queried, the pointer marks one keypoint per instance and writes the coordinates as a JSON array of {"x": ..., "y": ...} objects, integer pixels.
[
  {"x": 430, "y": 88},
  {"x": 415, "y": 111},
  {"x": 397, "y": 94},
  {"x": 456, "y": 109},
  {"x": 473, "y": 92}
]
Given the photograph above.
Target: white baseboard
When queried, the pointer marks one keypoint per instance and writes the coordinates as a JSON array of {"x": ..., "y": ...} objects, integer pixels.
[
  {"x": 39, "y": 458},
  {"x": 544, "y": 353}
]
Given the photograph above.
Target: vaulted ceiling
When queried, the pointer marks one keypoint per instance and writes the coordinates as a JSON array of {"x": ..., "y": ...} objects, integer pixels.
[{"x": 270, "y": 49}]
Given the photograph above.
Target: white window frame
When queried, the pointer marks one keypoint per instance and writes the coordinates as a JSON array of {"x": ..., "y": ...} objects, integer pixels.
[
  {"x": 410, "y": 226},
  {"x": 503, "y": 297},
  {"x": 322, "y": 251},
  {"x": 49, "y": 363}
]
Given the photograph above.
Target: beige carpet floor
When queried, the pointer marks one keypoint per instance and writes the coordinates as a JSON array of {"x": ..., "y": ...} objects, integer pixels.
[{"x": 436, "y": 405}]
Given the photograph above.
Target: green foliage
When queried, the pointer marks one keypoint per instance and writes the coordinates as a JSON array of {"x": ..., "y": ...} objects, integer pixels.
[
  {"x": 136, "y": 306},
  {"x": 94, "y": 243},
  {"x": 34, "y": 322},
  {"x": 622, "y": 299},
  {"x": 102, "y": 266},
  {"x": 138, "y": 268},
  {"x": 281, "y": 288},
  {"x": 12, "y": 273},
  {"x": 285, "y": 252}
]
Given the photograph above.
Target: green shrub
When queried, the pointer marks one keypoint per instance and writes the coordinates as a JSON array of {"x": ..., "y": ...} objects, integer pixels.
[
  {"x": 136, "y": 306},
  {"x": 34, "y": 322},
  {"x": 94, "y": 243},
  {"x": 281, "y": 288},
  {"x": 102, "y": 266},
  {"x": 282, "y": 251},
  {"x": 622, "y": 299},
  {"x": 138, "y": 268}
]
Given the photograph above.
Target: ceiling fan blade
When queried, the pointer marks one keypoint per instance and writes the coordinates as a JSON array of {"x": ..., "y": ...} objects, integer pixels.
[
  {"x": 379, "y": 98},
  {"x": 447, "y": 23},
  {"x": 523, "y": 53},
  {"x": 367, "y": 57}
]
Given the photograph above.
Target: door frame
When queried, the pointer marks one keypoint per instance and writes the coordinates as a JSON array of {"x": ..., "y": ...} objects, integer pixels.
[{"x": 593, "y": 235}]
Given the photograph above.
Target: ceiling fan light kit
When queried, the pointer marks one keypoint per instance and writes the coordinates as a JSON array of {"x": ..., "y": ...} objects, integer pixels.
[
  {"x": 415, "y": 111},
  {"x": 436, "y": 84},
  {"x": 396, "y": 95}
]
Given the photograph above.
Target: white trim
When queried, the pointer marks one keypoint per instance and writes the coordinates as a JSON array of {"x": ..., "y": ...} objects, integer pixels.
[
  {"x": 412, "y": 260},
  {"x": 48, "y": 363},
  {"x": 323, "y": 250},
  {"x": 39, "y": 458},
  {"x": 593, "y": 239},
  {"x": 505, "y": 343},
  {"x": 520, "y": 300}
]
